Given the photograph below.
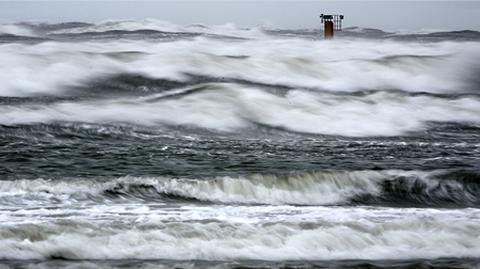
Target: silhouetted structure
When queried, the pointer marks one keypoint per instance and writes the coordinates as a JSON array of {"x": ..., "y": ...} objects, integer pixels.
[{"x": 331, "y": 23}]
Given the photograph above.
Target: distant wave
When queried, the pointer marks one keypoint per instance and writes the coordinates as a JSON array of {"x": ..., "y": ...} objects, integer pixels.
[
  {"x": 90, "y": 30},
  {"x": 391, "y": 187},
  {"x": 365, "y": 88},
  {"x": 356, "y": 64},
  {"x": 137, "y": 140},
  {"x": 126, "y": 29},
  {"x": 228, "y": 107}
]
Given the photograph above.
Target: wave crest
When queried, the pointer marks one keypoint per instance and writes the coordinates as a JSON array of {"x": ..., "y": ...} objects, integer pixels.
[
  {"x": 392, "y": 187},
  {"x": 406, "y": 238}
]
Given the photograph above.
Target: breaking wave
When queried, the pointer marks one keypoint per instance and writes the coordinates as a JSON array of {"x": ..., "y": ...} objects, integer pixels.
[
  {"x": 366, "y": 88},
  {"x": 393, "y": 187},
  {"x": 192, "y": 112},
  {"x": 230, "y": 107},
  {"x": 405, "y": 238},
  {"x": 52, "y": 68}
]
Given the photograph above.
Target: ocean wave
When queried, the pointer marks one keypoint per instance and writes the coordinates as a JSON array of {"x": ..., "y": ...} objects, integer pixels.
[
  {"x": 169, "y": 264},
  {"x": 447, "y": 67},
  {"x": 16, "y": 29},
  {"x": 392, "y": 187},
  {"x": 404, "y": 238},
  {"x": 229, "y": 107},
  {"x": 126, "y": 29},
  {"x": 118, "y": 34},
  {"x": 230, "y": 29}
]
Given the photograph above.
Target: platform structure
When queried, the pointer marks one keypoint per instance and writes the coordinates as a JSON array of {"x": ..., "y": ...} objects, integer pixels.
[{"x": 331, "y": 24}]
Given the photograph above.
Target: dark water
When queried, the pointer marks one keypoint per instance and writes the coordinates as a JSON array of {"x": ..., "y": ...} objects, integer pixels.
[
  {"x": 440, "y": 263},
  {"x": 149, "y": 145}
]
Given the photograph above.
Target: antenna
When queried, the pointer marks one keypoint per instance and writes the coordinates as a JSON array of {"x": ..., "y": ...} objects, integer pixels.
[{"x": 331, "y": 23}]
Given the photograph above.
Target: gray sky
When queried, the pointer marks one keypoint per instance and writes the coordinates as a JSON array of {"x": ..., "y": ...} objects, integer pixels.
[{"x": 389, "y": 15}]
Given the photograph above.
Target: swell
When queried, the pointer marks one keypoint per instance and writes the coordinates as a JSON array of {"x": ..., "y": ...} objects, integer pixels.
[
  {"x": 458, "y": 188},
  {"x": 132, "y": 84},
  {"x": 10, "y": 38},
  {"x": 143, "y": 34},
  {"x": 154, "y": 89},
  {"x": 154, "y": 26}
]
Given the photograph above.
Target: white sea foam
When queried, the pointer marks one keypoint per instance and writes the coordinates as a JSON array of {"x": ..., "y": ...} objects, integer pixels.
[
  {"x": 68, "y": 227},
  {"x": 227, "y": 29},
  {"x": 243, "y": 217},
  {"x": 301, "y": 188},
  {"x": 16, "y": 29},
  {"x": 52, "y": 68},
  {"x": 49, "y": 67},
  {"x": 226, "y": 233},
  {"x": 306, "y": 188},
  {"x": 230, "y": 107}
]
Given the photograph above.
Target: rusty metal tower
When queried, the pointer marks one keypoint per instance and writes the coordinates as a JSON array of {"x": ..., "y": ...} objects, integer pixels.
[{"x": 331, "y": 23}]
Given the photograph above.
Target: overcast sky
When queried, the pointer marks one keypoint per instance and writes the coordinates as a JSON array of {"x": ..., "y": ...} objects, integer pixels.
[{"x": 389, "y": 15}]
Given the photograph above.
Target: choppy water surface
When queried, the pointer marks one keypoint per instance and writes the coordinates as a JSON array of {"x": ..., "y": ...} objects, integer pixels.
[{"x": 151, "y": 145}]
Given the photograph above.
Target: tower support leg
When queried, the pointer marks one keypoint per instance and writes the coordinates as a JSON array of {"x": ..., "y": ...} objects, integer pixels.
[{"x": 328, "y": 30}]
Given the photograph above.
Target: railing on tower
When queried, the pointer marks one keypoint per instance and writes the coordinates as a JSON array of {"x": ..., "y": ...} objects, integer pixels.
[{"x": 331, "y": 23}]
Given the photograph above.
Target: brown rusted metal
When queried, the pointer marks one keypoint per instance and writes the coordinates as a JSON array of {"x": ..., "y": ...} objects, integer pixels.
[
  {"x": 331, "y": 23},
  {"x": 328, "y": 30}
]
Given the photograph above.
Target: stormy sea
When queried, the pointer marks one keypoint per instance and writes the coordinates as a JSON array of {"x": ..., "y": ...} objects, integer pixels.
[{"x": 145, "y": 144}]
